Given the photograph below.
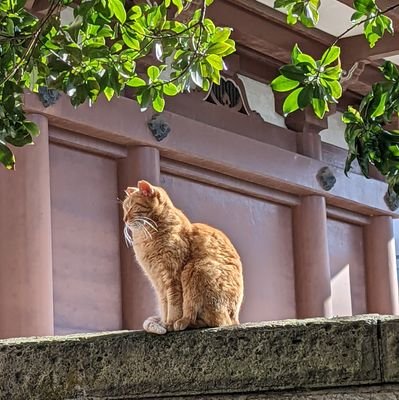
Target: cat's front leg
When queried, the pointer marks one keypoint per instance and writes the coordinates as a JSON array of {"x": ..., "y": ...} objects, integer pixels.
[
  {"x": 163, "y": 306},
  {"x": 175, "y": 304}
]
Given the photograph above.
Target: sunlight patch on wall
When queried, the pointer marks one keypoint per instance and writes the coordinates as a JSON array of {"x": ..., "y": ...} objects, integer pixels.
[
  {"x": 341, "y": 296},
  {"x": 261, "y": 99},
  {"x": 335, "y": 132}
]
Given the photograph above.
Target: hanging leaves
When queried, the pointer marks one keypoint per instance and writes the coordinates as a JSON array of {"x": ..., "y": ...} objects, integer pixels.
[
  {"x": 304, "y": 11},
  {"x": 96, "y": 54},
  {"x": 375, "y": 24},
  {"x": 369, "y": 141},
  {"x": 313, "y": 83}
]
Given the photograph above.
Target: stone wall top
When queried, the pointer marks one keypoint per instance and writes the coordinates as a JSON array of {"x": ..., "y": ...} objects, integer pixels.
[{"x": 273, "y": 356}]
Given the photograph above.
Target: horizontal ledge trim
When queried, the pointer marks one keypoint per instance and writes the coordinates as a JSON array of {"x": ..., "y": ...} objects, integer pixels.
[
  {"x": 86, "y": 143},
  {"x": 347, "y": 216},
  {"x": 226, "y": 182},
  {"x": 196, "y": 143}
]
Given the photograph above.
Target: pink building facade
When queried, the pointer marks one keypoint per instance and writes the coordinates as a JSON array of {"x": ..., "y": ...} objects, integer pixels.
[{"x": 307, "y": 249}]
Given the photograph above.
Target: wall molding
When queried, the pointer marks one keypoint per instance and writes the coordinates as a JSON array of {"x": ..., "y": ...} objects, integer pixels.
[{"x": 200, "y": 144}]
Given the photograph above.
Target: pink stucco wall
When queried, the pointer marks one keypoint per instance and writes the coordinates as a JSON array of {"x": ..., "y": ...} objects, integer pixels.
[{"x": 85, "y": 236}]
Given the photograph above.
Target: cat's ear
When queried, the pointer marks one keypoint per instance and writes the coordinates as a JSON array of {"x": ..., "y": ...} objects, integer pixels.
[
  {"x": 145, "y": 188},
  {"x": 129, "y": 191}
]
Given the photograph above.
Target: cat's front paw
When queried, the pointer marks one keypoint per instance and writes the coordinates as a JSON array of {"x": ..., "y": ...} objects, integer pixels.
[
  {"x": 154, "y": 325},
  {"x": 169, "y": 326},
  {"x": 181, "y": 324}
]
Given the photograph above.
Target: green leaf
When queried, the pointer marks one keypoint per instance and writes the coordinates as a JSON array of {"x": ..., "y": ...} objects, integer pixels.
[
  {"x": 307, "y": 59},
  {"x": 352, "y": 116},
  {"x": 117, "y": 8},
  {"x": 158, "y": 103},
  {"x": 349, "y": 160},
  {"x": 295, "y": 53},
  {"x": 310, "y": 16},
  {"x": 179, "y": 5},
  {"x": 130, "y": 41},
  {"x": 6, "y": 157},
  {"x": 222, "y": 49},
  {"x": 390, "y": 71},
  {"x": 356, "y": 16},
  {"x": 215, "y": 61},
  {"x": 144, "y": 99},
  {"x": 293, "y": 72},
  {"x": 291, "y": 102},
  {"x": 221, "y": 35},
  {"x": 305, "y": 96},
  {"x": 135, "y": 13},
  {"x": 320, "y": 107},
  {"x": 380, "y": 108},
  {"x": 117, "y": 47},
  {"x": 283, "y": 84},
  {"x": 196, "y": 76},
  {"x": 32, "y": 128},
  {"x": 153, "y": 73},
  {"x": 335, "y": 88},
  {"x": 22, "y": 139},
  {"x": 332, "y": 73},
  {"x": 330, "y": 55},
  {"x": 136, "y": 82},
  {"x": 170, "y": 89},
  {"x": 364, "y": 6},
  {"x": 109, "y": 93}
]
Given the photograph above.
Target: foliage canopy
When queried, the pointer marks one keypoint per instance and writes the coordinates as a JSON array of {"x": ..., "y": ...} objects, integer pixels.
[
  {"x": 98, "y": 53},
  {"x": 317, "y": 83}
]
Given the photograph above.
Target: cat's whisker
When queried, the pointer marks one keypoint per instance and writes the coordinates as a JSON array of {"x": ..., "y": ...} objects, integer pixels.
[
  {"x": 134, "y": 238},
  {"x": 149, "y": 219},
  {"x": 149, "y": 223},
  {"x": 147, "y": 231},
  {"x": 128, "y": 237},
  {"x": 140, "y": 227}
]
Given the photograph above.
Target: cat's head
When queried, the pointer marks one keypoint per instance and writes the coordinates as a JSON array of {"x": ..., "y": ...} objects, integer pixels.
[
  {"x": 143, "y": 200},
  {"x": 141, "y": 205}
]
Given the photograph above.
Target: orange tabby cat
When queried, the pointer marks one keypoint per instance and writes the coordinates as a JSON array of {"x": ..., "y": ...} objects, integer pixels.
[{"x": 194, "y": 268}]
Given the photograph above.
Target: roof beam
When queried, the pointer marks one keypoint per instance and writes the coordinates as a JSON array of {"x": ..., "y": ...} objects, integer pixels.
[
  {"x": 268, "y": 166},
  {"x": 264, "y": 29},
  {"x": 356, "y": 48}
]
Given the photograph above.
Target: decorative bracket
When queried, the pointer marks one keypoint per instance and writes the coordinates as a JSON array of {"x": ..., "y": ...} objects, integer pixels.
[
  {"x": 158, "y": 127},
  {"x": 228, "y": 94},
  {"x": 47, "y": 96},
  {"x": 326, "y": 178},
  {"x": 353, "y": 74},
  {"x": 391, "y": 199}
]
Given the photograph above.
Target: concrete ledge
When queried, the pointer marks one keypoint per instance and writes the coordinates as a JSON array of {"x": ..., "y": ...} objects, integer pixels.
[
  {"x": 390, "y": 349},
  {"x": 287, "y": 355}
]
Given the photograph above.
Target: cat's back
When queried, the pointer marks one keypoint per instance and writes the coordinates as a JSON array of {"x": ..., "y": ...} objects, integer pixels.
[{"x": 208, "y": 241}]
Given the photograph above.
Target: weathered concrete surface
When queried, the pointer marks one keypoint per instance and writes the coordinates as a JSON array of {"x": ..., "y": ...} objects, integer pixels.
[
  {"x": 390, "y": 348},
  {"x": 308, "y": 354},
  {"x": 366, "y": 393}
]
